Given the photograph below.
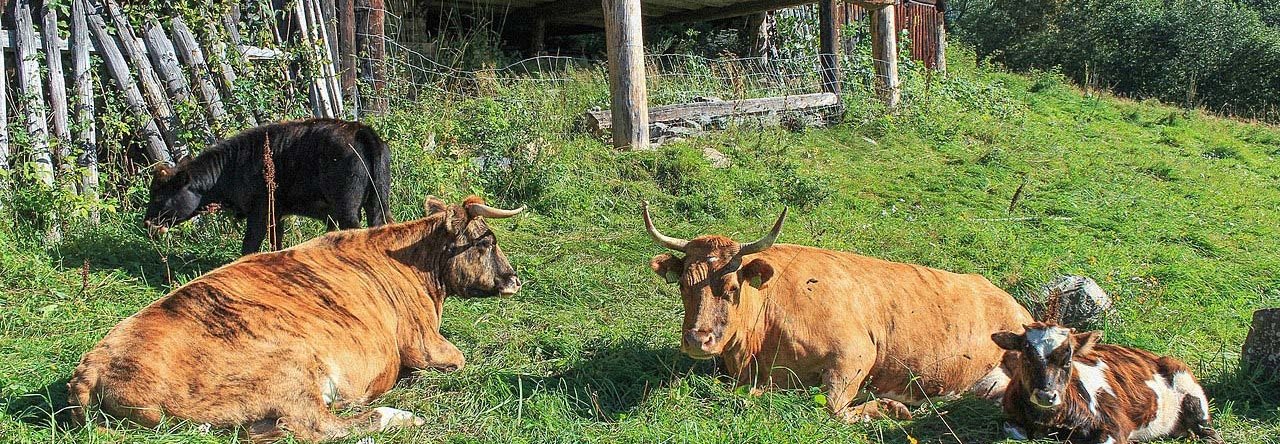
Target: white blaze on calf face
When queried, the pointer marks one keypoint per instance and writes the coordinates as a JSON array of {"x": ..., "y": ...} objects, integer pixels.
[{"x": 1047, "y": 340}]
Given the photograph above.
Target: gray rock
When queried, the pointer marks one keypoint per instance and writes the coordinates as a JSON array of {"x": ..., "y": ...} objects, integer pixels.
[{"x": 1083, "y": 303}]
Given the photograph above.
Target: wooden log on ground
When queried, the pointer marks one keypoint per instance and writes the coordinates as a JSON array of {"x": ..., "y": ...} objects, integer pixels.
[
  {"x": 189, "y": 51},
  {"x": 629, "y": 97},
  {"x": 884, "y": 52},
  {"x": 1260, "y": 354},
  {"x": 57, "y": 87},
  {"x": 31, "y": 90},
  {"x": 700, "y": 116},
  {"x": 149, "y": 81},
  {"x": 86, "y": 138},
  {"x": 157, "y": 150}
]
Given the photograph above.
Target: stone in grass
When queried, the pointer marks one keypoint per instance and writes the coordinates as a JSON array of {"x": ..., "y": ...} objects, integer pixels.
[
  {"x": 1083, "y": 303},
  {"x": 1260, "y": 355}
]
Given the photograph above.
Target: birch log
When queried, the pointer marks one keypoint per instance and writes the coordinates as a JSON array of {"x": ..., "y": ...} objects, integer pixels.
[
  {"x": 57, "y": 86},
  {"x": 86, "y": 140},
  {"x": 31, "y": 89},
  {"x": 148, "y": 79},
  {"x": 321, "y": 102},
  {"x": 157, "y": 150},
  {"x": 189, "y": 51},
  {"x": 328, "y": 70}
]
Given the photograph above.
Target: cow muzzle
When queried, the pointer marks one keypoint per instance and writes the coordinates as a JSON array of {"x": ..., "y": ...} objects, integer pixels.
[
  {"x": 1046, "y": 399},
  {"x": 509, "y": 286},
  {"x": 701, "y": 344}
]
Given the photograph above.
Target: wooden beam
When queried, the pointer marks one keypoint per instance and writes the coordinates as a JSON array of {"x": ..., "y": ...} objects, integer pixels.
[
  {"x": 767, "y": 110},
  {"x": 629, "y": 97},
  {"x": 563, "y": 8},
  {"x": 829, "y": 46},
  {"x": 884, "y": 54},
  {"x": 157, "y": 150},
  {"x": 734, "y": 10},
  {"x": 940, "y": 37},
  {"x": 86, "y": 137},
  {"x": 57, "y": 86}
]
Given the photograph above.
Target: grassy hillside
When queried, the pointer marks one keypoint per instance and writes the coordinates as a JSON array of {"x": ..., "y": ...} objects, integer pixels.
[{"x": 1174, "y": 214}]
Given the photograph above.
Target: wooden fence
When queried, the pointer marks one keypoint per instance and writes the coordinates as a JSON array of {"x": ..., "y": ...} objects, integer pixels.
[
  {"x": 923, "y": 21},
  {"x": 156, "y": 62}
]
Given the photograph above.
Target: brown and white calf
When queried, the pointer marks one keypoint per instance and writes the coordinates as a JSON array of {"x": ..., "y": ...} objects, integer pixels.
[
  {"x": 1067, "y": 386},
  {"x": 274, "y": 342}
]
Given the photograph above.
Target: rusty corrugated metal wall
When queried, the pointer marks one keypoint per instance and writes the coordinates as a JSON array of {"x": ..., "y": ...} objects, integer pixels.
[{"x": 921, "y": 20}]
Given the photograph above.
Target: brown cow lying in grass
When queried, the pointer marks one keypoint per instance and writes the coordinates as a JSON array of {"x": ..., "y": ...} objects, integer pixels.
[
  {"x": 1067, "y": 386},
  {"x": 798, "y": 316},
  {"x": 273, "y": 341}
]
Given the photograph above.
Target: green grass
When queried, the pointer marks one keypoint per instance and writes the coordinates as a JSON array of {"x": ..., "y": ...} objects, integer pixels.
[{"x": 1174, "y": 213}]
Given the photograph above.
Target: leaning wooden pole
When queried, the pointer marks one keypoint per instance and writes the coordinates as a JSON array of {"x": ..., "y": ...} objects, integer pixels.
[
  {"x": 188, "y": 50},
  {"x": 328, "y": 69},
  {"x": 629, "y": 98},
  {"x": 86, "y": 137},
  {"x": 31, "y": 88},
  {"x": 4, "y": 123},
  {"x": 150, "y": 81},
  {"x": 321, "y": 101},
  {"x": 157, "y": 150},
  {"x": 884, "y": 52},
  {"x": 57, "y": 86}
]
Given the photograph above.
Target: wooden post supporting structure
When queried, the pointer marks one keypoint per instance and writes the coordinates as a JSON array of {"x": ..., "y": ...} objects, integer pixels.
[
  {"x": 87, "y": 138},
  {"x": 4, "y": 120},
  {"x": 347, "y": 52},
  {"x": 829, "y": 42},
  {"x": 629, "y": 97},
  {"x": 157, "y": 150},
  {"x": 940, "y": 39},
  {"x": 57, "y": 86},
  {"x": 378, "y": 53},
  {"x": 884, "y": 52}
]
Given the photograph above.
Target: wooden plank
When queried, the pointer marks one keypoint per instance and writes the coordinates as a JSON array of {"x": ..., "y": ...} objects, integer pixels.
[
  {"x": 86, "y": 137},
  {"x": 829, "y": 49},
  {"x": 57, "y": 87},
  {"x": 31, "y": 90},
  {"x": 188, "y": 49},
  {"x": 629, "y": 97},
  {"x": 768, "y": 110},
  {"x": 884, "y": 54},
  {"x": 113, "y": 58}
]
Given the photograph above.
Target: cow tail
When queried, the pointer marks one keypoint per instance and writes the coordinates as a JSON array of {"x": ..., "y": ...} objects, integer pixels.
[
  {"x": 377, "y": 205},
  {"x": 80, "y": 390}
]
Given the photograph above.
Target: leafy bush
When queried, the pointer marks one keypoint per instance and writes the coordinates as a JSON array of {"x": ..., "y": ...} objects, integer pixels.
[{"x": 1217, "y": 53}]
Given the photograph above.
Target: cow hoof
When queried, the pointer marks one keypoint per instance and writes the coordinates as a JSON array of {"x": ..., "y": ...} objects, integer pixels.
[
  {"x": 389, "y": 417},
  {"x": 873, "y": 410}
]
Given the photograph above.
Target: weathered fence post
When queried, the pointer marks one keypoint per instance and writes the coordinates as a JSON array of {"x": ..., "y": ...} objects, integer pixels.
[
  {"x": 4, "y": 123},
  {"x": 166, "y": 120},
  {"x": 884, "y": 51},
  {"x": 828, "y": 52},
  {"x": 629, "y": 97},
  {"x": 31, "y": 89},
  {"x": 372, "y": 45},
  {"x": 189, "y": 51},
  {"x": 157, "y": 150},
  {"x": 328, "y": 63},
  {"x": 57, "y": 86},
  {"x": 86, "y": 140},
  {"x": 321, "y": 102},
  {"x": 165, "y": 59},
  {"x": 347, "y": 52}
]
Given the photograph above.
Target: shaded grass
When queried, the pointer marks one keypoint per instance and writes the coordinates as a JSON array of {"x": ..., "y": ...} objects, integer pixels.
[{"x": 1174, "y": 214}]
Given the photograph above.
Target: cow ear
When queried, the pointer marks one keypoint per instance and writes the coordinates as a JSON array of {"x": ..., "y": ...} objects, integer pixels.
[
  {"x": 1084, "y": 342},
  {"x": 756, "y": 273},
  {"x": 1009, "y": 340},
  {"x": 433, "y": 205},
  {"x": 667, "y": 266}
]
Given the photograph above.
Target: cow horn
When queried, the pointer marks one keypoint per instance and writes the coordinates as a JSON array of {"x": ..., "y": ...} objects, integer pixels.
[
  {"x": 673, "y": 243},
  {"x": 488, "y": 212},
  {"x": 767, "y": 241}
]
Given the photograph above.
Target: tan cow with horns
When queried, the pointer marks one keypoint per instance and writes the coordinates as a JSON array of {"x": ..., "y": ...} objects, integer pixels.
[
  {"x": 274, "y": 341},
  {"x": 796, "y": 316}
]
